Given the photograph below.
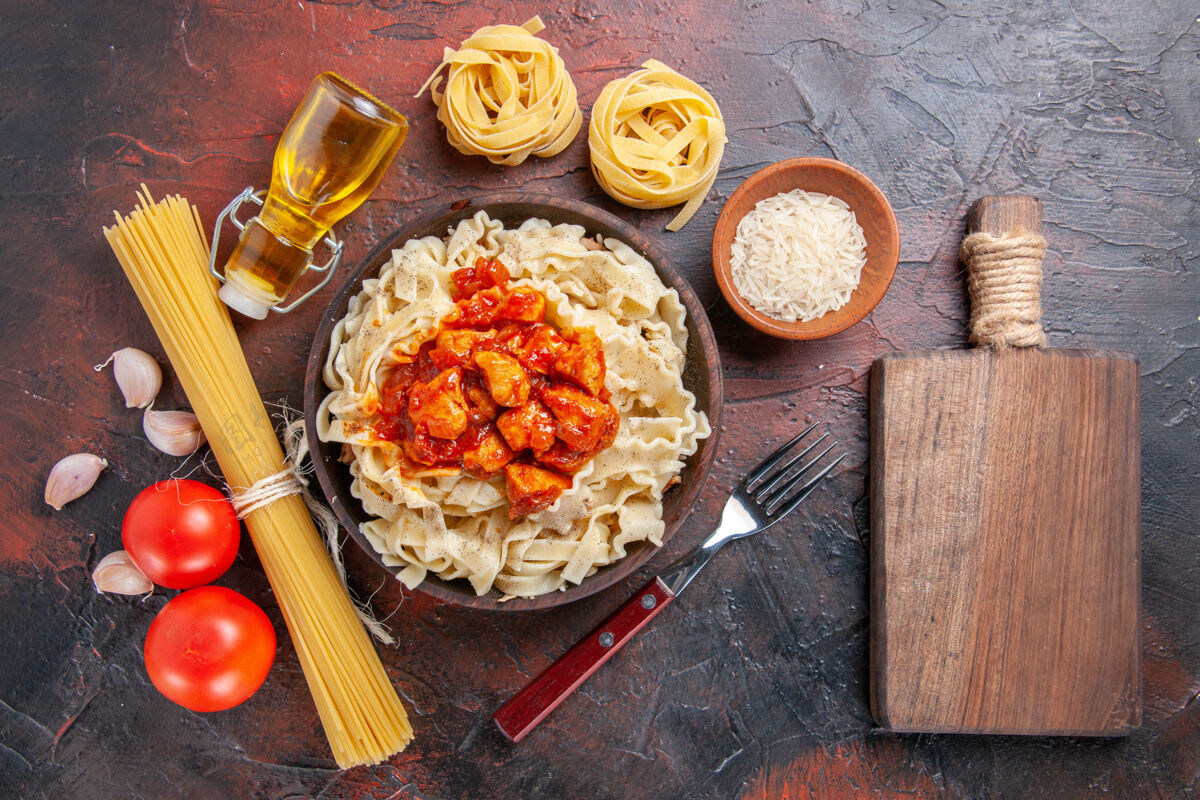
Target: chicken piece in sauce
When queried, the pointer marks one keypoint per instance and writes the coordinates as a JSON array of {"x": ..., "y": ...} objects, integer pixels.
[
  {"x": 532, "y": 425},
  {"x": 454, "y": 346},
  {"x": 504, "y": 378},
  {"x": 584, "y": 421},
  {"x": 485, "y": 274},
  {"x": 582, "y": 362},
  {"x": 522, "y": 304},
  {"x": 532, "y": 489},
  {"x": 540, "y": 349},
  {"x": 490, "y": 456},
  {"x": 439, "y": 407},
  {"x": 564, "y": 459},
  {"x": 481, "y": 408}
]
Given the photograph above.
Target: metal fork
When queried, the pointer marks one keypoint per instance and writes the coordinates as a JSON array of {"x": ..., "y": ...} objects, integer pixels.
[{"x": 769, "y": 493}]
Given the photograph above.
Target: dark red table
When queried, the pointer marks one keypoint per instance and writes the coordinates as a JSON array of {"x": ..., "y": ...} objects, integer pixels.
[{"x": 754, "y": 685}]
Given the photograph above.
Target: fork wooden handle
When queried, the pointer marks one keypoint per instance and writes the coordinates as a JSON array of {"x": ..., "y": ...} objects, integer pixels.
[{"x": 530, "y": 706}]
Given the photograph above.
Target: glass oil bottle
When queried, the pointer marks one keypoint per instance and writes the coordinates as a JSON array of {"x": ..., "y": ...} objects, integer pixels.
[{"x": 331, "y": 156}]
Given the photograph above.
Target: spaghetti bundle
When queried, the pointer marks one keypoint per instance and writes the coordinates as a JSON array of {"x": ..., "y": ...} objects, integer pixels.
[
  {"x": 656, "y": 140},
  {"x": 164, "y": 253},
  {"x": 507, "y": 95}
]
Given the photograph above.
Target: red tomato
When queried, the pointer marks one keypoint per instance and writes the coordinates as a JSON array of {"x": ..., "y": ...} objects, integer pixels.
[
  {"x": 181, "y": 533},
  {"x": 209, "y": 649}
]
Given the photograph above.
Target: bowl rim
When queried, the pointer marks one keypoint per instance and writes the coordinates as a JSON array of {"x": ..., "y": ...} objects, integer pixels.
[
  {"x": 444, "y": 214},
  {"x": 726, "y": 229}
]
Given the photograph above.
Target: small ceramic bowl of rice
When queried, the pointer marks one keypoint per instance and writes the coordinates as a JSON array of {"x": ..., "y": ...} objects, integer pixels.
[{"x": 805, "y": 248}]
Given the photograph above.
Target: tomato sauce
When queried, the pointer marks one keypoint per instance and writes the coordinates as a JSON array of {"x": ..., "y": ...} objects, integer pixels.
[{"x": 497, "y": 388}]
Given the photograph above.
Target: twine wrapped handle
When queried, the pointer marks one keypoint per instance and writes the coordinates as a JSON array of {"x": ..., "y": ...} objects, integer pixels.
[{"x": 1003, "y": 254}]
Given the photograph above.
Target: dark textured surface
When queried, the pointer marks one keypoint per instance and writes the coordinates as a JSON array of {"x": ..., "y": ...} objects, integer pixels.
[{"x": 754, "y": 684}]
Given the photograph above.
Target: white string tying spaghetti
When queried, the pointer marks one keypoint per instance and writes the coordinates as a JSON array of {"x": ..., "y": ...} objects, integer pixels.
[{"x": 293, "y": 479}]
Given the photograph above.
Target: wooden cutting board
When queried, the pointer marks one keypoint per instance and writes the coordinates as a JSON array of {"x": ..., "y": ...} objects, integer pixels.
[{"x": 1005, "y": 535}]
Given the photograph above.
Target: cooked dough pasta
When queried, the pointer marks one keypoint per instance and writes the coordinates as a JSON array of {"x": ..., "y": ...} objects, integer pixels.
[
  {"x": 656, "y": 140},
  {"x": 457, "y": 526},
  {"x": 507, "y": 95}
]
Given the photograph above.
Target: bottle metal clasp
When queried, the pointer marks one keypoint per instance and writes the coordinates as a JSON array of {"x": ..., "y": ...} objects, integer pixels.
[{"x": 230, "y": 213}]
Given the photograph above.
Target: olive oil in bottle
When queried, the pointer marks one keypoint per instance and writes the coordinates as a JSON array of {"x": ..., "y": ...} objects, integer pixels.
[{"x": 331, "y": 156}]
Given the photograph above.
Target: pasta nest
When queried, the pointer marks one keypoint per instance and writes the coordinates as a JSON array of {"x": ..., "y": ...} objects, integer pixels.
[
  {"x": 656, "y": 140},
  {"x": 507, "y": 95}
]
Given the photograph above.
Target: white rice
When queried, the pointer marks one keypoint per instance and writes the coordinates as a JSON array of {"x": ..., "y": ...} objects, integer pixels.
[{"x": 798, "y": 255}]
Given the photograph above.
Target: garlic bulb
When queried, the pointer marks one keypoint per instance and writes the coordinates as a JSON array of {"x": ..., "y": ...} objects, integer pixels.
[
  {"x": 117, "y": 574},
  {"x": 176, "y": 433},
  {"x": 138, "y": 375},
  {"x": 72, "y": 477}
]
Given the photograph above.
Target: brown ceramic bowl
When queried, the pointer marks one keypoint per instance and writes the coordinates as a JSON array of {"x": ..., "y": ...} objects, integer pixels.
[
  {"x": 701, "y": 375},
  {"x": 827, "y": 176}
]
